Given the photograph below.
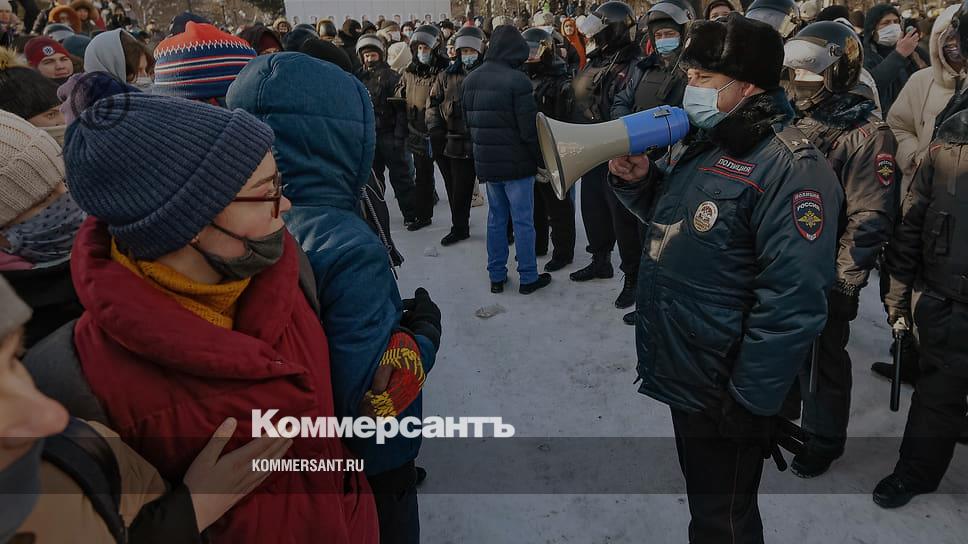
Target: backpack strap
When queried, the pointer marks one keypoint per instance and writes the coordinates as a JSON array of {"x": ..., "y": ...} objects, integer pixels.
[{"x": 85, "y": 456}]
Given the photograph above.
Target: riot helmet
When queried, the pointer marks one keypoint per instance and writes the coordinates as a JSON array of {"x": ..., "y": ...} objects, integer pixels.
[
  {"x": 609, "y": 28},
  {"x": 782, "y": 15},
  {"x": 827, "y": 57}
]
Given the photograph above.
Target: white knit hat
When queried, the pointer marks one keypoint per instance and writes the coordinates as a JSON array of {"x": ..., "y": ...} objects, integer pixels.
[
  {"x": 399, "y": 56},
  {"x": 31, "y": 166},
  {"x": 5, "y": 5}
]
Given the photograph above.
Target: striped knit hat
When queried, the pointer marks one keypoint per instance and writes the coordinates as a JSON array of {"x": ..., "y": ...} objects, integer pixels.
[{"x": 200, "y": 63}]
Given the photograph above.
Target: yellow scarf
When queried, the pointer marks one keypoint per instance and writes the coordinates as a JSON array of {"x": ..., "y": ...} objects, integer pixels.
[{"x": 213, "y": 303}]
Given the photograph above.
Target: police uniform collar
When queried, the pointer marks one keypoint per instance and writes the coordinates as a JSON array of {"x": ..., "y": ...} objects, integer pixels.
[{"x": 753, "y": 121}]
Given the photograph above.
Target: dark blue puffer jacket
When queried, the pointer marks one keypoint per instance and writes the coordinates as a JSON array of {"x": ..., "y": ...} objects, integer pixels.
[
  {"x": 324, "y": 150},
  {"x": 500, "y": 111}
]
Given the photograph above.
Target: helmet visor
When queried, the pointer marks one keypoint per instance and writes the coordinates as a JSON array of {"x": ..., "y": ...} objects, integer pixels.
[
  {"x": 806, "y": 55},
  {"x": 783, "y": 23},
  {"x": 591, "y": 25}
]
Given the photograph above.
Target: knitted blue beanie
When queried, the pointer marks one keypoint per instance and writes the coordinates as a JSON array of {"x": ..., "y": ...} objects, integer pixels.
[{"x": 159, "y": 169}]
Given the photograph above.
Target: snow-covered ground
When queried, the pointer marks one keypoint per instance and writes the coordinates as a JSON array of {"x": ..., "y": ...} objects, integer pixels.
[{"x": 592, "y": 461}]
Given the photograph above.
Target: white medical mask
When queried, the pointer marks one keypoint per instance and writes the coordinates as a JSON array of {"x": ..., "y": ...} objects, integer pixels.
[
  {"x": 469, "y": 60},
  {"x": 889, "y": 35},
  {"x": 424, "y": 57},
  {"x": 701, "y": 105},
  {"x": 395, "y": 35}
]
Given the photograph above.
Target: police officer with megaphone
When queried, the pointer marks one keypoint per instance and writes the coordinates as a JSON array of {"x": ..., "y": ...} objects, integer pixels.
[{"x": 740, "y": 237}]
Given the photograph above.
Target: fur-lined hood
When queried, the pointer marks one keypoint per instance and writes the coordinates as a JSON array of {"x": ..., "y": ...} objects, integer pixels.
[
  {"x": 753, "y": 121},
  {"x": 843, "y": 111}
]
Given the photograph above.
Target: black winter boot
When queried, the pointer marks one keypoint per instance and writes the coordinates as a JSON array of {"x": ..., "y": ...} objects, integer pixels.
[
  {"x": 600, "y": 268},
  {"x": 626, "y": 299}
]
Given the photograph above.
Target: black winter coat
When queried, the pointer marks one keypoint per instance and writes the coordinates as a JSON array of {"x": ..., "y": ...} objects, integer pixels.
[
  {"x": 415, "y": 85},
  {"x": 445, "y": 113},
  {"x": 381, "y": 82},
  {"x": 740, "y": 238},
  {"x": 500, "y": 111}
]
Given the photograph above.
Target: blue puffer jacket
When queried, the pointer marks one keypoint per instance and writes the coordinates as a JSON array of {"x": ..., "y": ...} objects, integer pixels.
[
  {"x": 500, "y": 111},
  {"x": 324, "y": 150}
]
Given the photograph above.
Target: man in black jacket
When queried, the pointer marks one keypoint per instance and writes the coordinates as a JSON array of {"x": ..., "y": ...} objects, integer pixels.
[
  {"x": 391, "y": 123},
  {"x": 500, "y": 111},
  {"x": 612, "y": 52},
  {"x": 926, "y": 262},
  {"x": 741, "y": 231}
]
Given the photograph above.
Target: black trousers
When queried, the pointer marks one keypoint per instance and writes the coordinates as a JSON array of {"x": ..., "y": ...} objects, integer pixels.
[
  {"x": 460, "y": 192},
  {"x": 424, "y": 182},
  {"x": 934, "y": 424},
  {"x": 938, "y": 407},
  {"x": 394, "y": 157},
  {"x": 395, "y": 494},
  {"x": 827, "y": 412},
  {"x": 555, "y": 215},
  {"x": 722, "y": 482},
  {"x": 607, "y": 220}
]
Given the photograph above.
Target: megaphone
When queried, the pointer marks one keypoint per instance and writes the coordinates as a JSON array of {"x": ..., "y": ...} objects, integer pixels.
[{"x": 570, "y": 151}]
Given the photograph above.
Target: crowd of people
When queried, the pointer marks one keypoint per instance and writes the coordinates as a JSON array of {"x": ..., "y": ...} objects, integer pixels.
[{"x": 193, "y": 226}]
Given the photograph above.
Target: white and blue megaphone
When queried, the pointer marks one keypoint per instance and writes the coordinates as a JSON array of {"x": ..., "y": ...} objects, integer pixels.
[{"x": 570, "y": 150}]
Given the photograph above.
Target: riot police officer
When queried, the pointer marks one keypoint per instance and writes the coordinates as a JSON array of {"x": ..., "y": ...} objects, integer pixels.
[
  {"x": 414, "y": 87},
  {"x": 445, "y": 117},
  {"x": 391, "y": 126},
  {"x": 838, "y": 115},
  {"x": 740, "y": 226},
  {"x": 551, "y": 81},
  {"x": 655, "y": 80},
  {"x": 611, "y": 53},
  {"x": 927, "y": 266}
]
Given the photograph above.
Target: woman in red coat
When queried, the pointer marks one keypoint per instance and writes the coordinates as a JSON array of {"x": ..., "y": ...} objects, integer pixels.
[{"x": 194, "y": 310}]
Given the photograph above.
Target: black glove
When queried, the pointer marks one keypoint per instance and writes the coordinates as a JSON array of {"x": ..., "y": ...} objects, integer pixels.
[
  {"x": 421, "y": 316},
  {"x": 843, "y": 305},
  {"x": 744, "y": 427}
]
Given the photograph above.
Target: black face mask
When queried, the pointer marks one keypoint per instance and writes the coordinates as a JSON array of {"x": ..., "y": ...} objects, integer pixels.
[{"x": 260, "y": 254}]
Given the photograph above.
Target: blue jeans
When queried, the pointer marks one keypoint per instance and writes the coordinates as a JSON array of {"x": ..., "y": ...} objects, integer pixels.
[{"x": 514, "y": 198}]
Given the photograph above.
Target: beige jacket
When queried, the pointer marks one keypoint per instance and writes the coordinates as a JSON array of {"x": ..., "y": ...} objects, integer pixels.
[
  {"x": 913, "y": 113},
  {"x": 64, "y": 514}
]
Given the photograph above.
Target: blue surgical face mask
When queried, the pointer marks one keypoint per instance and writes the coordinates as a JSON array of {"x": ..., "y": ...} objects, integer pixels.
[
  {"x": 701, "y": 105},
  {"x": 424, "y": 57},
  {"x": 468, "y": 60},
  {"x": 666, "y": 45}
]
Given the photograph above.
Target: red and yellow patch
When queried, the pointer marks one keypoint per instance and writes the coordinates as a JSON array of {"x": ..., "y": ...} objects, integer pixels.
[{"x": 884, "y": 166}]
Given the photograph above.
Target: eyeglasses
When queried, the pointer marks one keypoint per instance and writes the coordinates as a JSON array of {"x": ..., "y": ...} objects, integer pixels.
[{"x": 274, "y": 195}]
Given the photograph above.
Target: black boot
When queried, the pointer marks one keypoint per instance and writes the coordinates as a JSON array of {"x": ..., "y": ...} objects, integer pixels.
[
  {"x": 542, "y": 281},
  {"x": 498, "y": 286},
  {"x": 629, "y": 319},
  {"x": 556, "y": 263},
  {"x": 418, "y": 224},
  {"x": 810, "y": 464},
  {"x": 601, "y": 267},
  {"x": 893, "y": 492},
  {"x": 626, "y": 299},
  {"x": 454, "y": 236}
]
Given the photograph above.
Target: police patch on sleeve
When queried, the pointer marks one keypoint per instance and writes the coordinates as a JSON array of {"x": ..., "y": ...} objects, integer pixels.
[
  {"x": 884, "y": 167},
  {"x": 808, "y": 214}
]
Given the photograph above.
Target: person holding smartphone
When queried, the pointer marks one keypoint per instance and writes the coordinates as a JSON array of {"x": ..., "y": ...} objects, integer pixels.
[{"x": 890, "y": 53}]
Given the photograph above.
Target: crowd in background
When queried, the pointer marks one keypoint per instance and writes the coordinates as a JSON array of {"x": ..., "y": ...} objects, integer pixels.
[{"x": 232, "y": 182}]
